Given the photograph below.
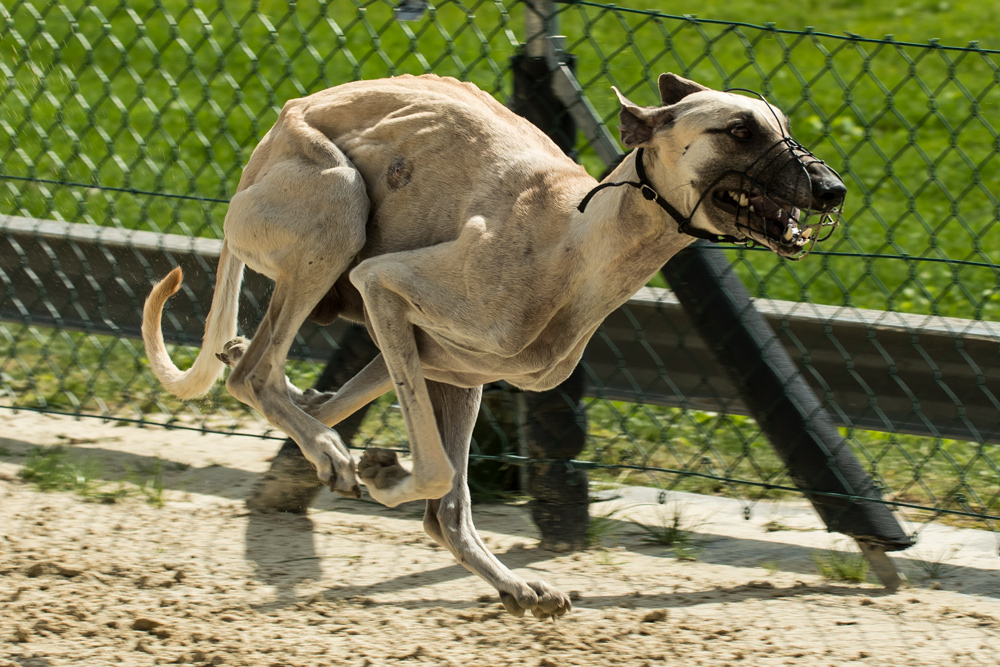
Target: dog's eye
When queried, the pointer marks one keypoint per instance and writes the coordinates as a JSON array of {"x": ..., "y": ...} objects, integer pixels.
[{"x": 741, "y": 132}]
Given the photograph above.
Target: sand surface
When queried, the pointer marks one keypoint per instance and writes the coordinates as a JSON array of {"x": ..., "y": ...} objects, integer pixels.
[{"x": 200, "y": 580}]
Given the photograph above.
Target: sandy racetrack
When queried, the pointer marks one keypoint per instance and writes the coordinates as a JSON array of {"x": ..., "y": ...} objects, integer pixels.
[{"x": 202, "y": 581}]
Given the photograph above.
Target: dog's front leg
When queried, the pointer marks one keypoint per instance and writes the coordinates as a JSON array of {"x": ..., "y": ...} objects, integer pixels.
[
  {"x": 332, "y": 407},
  {"x": 389, "y": 314},
  {"x": 449, "y": 519}
]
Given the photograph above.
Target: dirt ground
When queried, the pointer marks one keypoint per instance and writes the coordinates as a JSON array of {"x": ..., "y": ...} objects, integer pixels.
[{"x": 200, "y": 580}]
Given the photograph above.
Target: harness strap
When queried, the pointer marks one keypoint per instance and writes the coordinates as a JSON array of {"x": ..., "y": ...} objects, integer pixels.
[{"x": 649, "y": 193}]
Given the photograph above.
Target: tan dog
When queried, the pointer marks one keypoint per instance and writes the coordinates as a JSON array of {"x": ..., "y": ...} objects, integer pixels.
[{"x": 454, "y": 230}]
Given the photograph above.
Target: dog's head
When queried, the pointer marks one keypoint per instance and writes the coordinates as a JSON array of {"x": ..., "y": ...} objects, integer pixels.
[{"x": 728, "y": 162}]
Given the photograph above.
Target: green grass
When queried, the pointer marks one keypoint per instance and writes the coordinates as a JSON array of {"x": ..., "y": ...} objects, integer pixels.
[
  {"x": 148, "y": 481},
  {"x": 61, "y": 469},
  {"x": 604, "y": 530},
  {"x": 936, "y": 565},
  {"x": 672, "y": 528},
  {"x": 841, "y": 566},
  {"x": 773, "y": 566},
  {"x": 66, "y": 371},
  {"x": 52, "y": 469}
]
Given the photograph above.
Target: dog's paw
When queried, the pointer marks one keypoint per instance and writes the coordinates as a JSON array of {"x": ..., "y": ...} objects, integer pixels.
[
  {"x": 379, "y": 469},
  {"x": 334, "y": 466},
  {"x": 233, "y": 351},
  {"x": 539, "y": 598}
]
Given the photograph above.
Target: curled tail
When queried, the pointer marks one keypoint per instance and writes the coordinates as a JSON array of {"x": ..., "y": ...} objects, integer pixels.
[{"x": 220, "y": 327}]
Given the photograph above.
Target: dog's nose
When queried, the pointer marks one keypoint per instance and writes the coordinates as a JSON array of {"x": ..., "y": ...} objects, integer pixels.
[{"x": 828, "y": 191}]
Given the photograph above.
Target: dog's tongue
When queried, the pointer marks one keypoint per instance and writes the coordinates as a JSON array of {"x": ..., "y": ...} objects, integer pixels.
[{"x": 768, "y": 209}]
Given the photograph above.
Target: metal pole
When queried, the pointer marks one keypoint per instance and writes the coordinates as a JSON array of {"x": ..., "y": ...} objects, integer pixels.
[
  {"x": 541, "y": 27},
  {"x": 551, "y": 424}
]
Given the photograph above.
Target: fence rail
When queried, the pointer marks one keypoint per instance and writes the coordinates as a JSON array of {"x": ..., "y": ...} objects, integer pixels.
[
  {"x": 125, "y": 125},
  {"x": 925, "y": 375}
]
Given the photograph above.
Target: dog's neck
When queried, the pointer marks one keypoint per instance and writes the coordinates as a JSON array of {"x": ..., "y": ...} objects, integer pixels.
[{"x": 628, "y": 233}]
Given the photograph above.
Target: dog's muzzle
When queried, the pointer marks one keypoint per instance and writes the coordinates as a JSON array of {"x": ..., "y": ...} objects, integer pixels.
[{"x": 787, "y": 200}]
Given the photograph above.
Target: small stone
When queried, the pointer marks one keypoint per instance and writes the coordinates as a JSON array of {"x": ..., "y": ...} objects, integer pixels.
[
  {"x": 655, "y": 616},
  {"x": 145, "y": 624},
  {"x": 36, "y": 570},
  {"x": 575, "y": 596}
]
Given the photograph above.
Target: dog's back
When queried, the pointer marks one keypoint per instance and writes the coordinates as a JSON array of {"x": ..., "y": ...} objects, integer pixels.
[{"x": 433, "y": 152}]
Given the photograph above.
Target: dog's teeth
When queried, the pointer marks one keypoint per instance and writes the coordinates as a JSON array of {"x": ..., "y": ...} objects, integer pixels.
[
  {"x": 789, "y": 233},
  {"x": 807, "y": 232},
  {"x": 751, "y": 210},
  {"x": 744, "y": 200}
]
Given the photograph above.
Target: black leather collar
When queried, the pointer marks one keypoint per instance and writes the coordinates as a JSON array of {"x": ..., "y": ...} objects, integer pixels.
[{"x": 649, "y": 193}]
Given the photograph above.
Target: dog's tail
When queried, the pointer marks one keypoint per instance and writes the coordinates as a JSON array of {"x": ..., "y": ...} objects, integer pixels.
[{"x": 220, "y": 327}]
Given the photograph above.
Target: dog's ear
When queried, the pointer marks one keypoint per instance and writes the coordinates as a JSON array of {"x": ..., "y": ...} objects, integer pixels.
[
  {"x": 674, "y": 88},
  {"x": 639, "y": 123}
]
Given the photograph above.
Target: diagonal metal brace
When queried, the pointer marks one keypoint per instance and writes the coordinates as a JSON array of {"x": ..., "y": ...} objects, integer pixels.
[
  {"x": 570, "y": 93},
  {"x": 881, "y": 565}
]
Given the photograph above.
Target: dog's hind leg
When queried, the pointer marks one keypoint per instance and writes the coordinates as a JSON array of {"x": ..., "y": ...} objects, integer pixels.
[
  {"x": 258, "y": 379},
  {"x": 299, "y": 219},
  {"x": 449, "y": 519}
]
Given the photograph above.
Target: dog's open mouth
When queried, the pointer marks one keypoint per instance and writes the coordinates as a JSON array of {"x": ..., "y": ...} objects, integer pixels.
[{"x": 771, "y": 222}]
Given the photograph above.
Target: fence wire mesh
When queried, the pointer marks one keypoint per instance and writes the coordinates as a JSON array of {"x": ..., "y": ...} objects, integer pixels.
[{"x": 124, "y": 119}]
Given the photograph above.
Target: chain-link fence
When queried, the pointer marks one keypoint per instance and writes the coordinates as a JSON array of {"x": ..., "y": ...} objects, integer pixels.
[{"x": 131, "y": 122}]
